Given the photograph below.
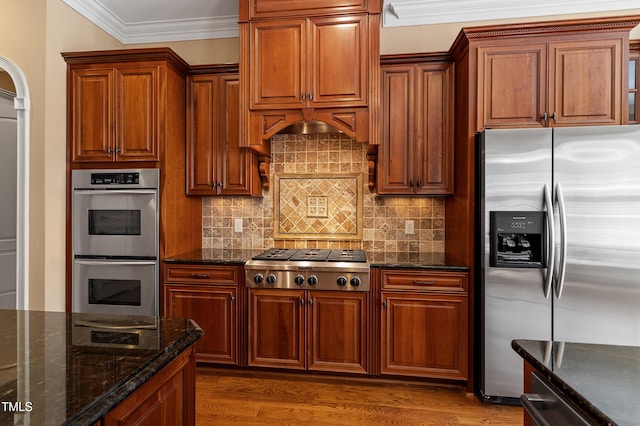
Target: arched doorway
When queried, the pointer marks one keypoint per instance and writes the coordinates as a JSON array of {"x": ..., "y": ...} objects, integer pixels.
[{"x": 21, "y": 104}]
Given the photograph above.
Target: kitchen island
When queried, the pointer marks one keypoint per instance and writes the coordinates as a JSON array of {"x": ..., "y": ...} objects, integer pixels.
[
  {"x": 85, "y": 369},
  {"x": 601, "y": 382}
]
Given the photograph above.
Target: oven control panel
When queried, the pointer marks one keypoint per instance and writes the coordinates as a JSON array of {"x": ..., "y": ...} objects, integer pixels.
[{"x": 115, "y": 178}]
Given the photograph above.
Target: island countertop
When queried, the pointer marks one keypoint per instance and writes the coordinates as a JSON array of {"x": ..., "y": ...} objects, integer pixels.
[
  {"x": 601, "y": 380},
  {"x": 63, "y": 368}
]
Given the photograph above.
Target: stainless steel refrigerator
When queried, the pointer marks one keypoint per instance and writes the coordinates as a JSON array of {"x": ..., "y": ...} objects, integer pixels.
[{"x": 559, "y": 243}]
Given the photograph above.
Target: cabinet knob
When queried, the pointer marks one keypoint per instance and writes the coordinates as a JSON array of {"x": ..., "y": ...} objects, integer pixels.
[
  {"x": 411, "y": 183},
  {"x": 304, "y": 96},
  {"x": 544, "y": 117},
  {"x": 233, "y": 299},
  {"x": 384, "y": 305},
  {"x": 554, "y": 116},
  {"x": 310, "y": 96}
]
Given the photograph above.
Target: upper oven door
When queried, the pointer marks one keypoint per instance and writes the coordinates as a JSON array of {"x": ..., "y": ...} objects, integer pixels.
[{"x": 115, "y": 222}]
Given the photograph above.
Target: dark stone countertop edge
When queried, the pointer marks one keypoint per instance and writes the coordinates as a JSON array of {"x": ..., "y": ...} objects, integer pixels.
[
  {"x": 572, "y": 395},
  {"x": 102, "y": 406},
  {"x": 240, "y": 257}
]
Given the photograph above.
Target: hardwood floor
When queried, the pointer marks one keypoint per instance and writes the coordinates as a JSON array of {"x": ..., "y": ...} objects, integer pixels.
[{"x": 226, "y": 396}]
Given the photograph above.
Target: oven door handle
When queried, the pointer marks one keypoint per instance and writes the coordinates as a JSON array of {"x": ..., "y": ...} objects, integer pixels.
[
  {"x": 98, "y": 324},
  {"x": 114, "y": 191},
  {"x": 116, "y": 262}
]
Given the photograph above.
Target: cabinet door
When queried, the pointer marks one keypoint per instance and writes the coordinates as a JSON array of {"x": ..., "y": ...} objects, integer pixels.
[
  {"x": 434, "y": 129},
  {"x": 338, "y": 61},
  {"x": 512, "y": 85},
  {"x": 424, "y": 335},
  {"x": 92, "y": 114},
  {"x": 396, "y": 153},
  {"x": 278, "y": 66},
  {"x": 137, "y": 102},
  {"x": 276, "y": 328},
  {"x": 214, "y": 309},
  {"x": 338, "y": 331},
  {"x": 585, "y": 82},
  {"x": 238, "y": 166},
  {"x": 202, "y": 167}
]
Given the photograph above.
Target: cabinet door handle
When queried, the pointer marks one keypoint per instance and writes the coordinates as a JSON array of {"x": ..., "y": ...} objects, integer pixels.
[
  {"x": 544, "y": 117},
  {"x": 554, "y": 116},
  {"x": 384, "y": 305},
  {"x": 416, "y": 282},
  {"x": 109, "y": 150},
  {"x": 304, "y": 96},
  {"x": 310, "y": 302},
  {"x": 199, "y": 276},
  {"x": 310, "y": 96},
  {"x": 411, "y": 183},
  {"x": 301, "y": 302},
  {"x": 419, "y": 183},
  {"x": 233, "y": 299}
]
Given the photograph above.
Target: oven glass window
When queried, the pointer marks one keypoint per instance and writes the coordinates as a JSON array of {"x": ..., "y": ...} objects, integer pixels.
[
  {"x": 115, "y": 292},
  {"x": 114, "y": 222}
]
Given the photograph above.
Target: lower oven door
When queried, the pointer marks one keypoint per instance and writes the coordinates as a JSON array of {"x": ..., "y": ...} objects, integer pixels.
[{"x": 127, "y": 287}]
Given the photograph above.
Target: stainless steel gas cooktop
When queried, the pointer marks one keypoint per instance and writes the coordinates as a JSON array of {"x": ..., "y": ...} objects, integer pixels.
[{"x": 317, "y": 269}]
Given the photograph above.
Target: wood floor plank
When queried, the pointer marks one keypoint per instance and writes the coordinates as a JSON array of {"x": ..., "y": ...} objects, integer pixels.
[{"x": 256, "y": 397}]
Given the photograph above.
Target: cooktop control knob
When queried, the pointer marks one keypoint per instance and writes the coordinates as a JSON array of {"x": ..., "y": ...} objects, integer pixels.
[
  {"x": 355, "y": 281},
  {"x": 271, "y": 279},
  {"x": 342, "y": 281},
  {"x": 313, "y": 280},
  {"x": 258, "y": 278},
  {"x": 299, "y": 280}
]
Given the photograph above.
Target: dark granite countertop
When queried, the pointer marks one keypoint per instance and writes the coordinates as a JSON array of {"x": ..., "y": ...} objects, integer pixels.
[
  {"x": 601, "y": 380},
  {"x": 214, "y": 257},
  {"x": 53, "y": 372},
  {"x": 412, "y": 260}
]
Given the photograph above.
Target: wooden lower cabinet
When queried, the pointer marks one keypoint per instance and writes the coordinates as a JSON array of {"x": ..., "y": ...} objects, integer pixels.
[
  {"x": 209, "y": 296},
  {"x": 308, "y": 330},
  {"x": 424, "y": 326},
  {"x": 168, "y": 398}
]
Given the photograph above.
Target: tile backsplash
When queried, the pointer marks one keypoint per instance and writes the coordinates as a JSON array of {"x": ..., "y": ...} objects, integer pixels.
[{"x": 383, "y": 218}]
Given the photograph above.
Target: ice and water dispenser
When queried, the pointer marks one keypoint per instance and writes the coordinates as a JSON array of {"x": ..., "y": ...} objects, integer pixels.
[{"x": 517, "y": 239}]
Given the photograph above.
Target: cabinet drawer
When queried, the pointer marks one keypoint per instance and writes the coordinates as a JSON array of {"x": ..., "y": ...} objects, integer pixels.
[
  {"x": 202, "y": 274},
  {"x": 413, "y": 280}
]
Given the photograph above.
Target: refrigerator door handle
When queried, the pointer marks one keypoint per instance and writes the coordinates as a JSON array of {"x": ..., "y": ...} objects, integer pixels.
[
  {"x": 562, "y": 265},
  {"x": 551, "y": 256}
]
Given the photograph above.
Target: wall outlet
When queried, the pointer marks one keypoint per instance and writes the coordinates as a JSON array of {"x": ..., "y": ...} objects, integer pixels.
[
  {"x": 237, "y": 225},
  {"x": 409, "y": 227}
]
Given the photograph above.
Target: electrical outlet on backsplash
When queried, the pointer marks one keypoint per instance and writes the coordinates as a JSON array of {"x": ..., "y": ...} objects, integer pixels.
[{"x": 382, "y": 218}]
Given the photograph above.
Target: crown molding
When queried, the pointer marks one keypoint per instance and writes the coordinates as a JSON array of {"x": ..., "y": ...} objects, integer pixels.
[
  {"x": 399, "y": 13},
  {"x": 158, "y": 31}
]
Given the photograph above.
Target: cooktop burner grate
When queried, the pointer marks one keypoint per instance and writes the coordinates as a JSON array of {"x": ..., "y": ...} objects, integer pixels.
[{"x": 313, "y": 255}]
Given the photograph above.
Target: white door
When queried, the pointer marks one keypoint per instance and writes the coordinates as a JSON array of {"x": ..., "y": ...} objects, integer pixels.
[{"x": 8, "y": 203}]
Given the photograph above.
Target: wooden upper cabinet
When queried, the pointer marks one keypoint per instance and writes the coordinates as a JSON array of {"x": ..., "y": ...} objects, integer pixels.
[
  {"x": 310, "y": 62},
  {"x": 216, "y": 165},
  {"x": 416, "y": 154},
  {"x": 114, "y": 113},
  {"x": 585, "y": 82},
  {"x": 558, "y": 82},
  {"x": 512, "y": 85},
  {"x": 279, "y": 8}
]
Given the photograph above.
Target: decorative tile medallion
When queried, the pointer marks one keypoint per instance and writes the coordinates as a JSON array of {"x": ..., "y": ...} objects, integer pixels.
[{"x": 317, "y": 206}]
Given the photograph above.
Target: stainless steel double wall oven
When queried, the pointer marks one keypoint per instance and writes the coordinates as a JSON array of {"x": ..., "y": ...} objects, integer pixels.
[{"x": 115, "y": 241}]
